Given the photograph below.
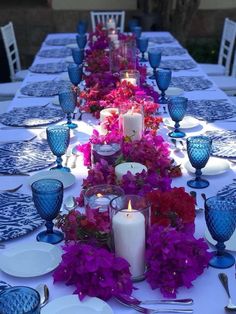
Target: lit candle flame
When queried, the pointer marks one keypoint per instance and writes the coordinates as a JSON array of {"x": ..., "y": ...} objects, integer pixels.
[
  {"x": 127, "y": 75},
  {"x": 129, "y": 206},
  {"x": 99, "y": 195}
]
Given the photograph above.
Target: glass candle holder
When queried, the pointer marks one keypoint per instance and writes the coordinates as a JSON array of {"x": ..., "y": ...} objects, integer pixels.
[
  {"x": 122, "y": 54},
  {"x": 113, "y": 35},
  {"x": 130, "y": 218},
  {"x": 100, "y": 196},
  {"x": 109, "y": 152},
  {"x": 131, "y": 120},
  {"x": 19, "y": 299},
  {"x": 130, "y": 76},
  {"x": 104, "y": 114}
]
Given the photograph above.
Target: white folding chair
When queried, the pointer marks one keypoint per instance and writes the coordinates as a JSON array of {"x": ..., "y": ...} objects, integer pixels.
[
  {"x": 226, "y": 51},
  {"x": 9, "y": 40},
  {"x": 102, "y": 17}
]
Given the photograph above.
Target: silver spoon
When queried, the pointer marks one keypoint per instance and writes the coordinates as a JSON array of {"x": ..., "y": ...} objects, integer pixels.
[
  {"x": 194, "y": 195},
  {"x": 70, "y": 203},
  {"x": 12, "y": 190},
  {"x": 134, "y": 301},
  {"x": 224, "y": 280},
  {"x": 44, "y": 294}
]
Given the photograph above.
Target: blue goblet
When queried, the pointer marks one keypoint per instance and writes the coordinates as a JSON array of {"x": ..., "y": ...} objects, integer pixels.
[
  {"x": 81, "y": 40},
  {"x": 220, "y": 217},
  {"x": 137, "y": 31},
  {"x": 132, "y": 23},
  {"x": 82, "y": 27},
  {"x": 47, "y": 197},
  {"x": 68, "y": 102},
  {"x": 142, "y": 44},
  {"x": 78, "y": 55},
  {"x": 163, "y": 79},
  {"x": 177, "y": 107},
  {"x": 58, "y": 138},
  {"x": 154, "y": 58},
  {"x": 75, "y": 72},
  {"x": 199, "y": 150}
]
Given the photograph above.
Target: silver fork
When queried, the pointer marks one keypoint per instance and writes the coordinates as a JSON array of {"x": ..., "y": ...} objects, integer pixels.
[
  {"x": 68, "y": 155},
  {"x": 74, "y": 161},
  {"x": 151, "y": 311}
]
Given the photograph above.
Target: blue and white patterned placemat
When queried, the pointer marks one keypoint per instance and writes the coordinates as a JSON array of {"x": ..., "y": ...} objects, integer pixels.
[
  {"x": 223, "y": 143},
  {"x": 55, "y": 53},
  {"x": 162, "y": 40},
  {"x": 211, "y": 110},
  {"x": 45, "y": 88},
  {"x": 49, "y": 68},
  {"x": 22, "y": 157},
  {"x": 191, "y": 83},
  {"x": 172, "y": 51},
  {"x": 18, "y": 215},
  {"x": 31, "y": 116},
  {"x": 176, "y": 65},
  {"x": 229, "y": 191},
  {"x": 63, "y": 41}
]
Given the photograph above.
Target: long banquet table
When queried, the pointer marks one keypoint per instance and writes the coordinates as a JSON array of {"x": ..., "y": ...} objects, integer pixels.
[{"x": 207, "y": 292}]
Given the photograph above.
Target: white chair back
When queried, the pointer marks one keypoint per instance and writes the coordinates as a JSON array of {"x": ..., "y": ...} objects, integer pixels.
[
  {"x": 9, "y": 40},
  {"x": 227, "y": 44},
  {"x": 102, "y": 17}
]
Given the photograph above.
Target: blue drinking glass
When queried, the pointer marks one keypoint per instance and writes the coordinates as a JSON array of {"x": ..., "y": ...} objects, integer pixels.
[
  {"x": 81, "y": 40},
  {"x": 199, "y": 150},
  {"x": 132, "y": 23},
  {"x": 154, "y": 58},
  {"x": 75, "y": 73},
  {"x": 177, "y": 107},
  {"x": 142, "y": 44},
  {"x": 47, "y": 197},
  {"x": 19, "y": 299},
  {"x": 78, "y": 55},
  {"x": 58, "y": 137},
  {"x": 220, "y": 217},
  {"x": 137, "y": 31},
  {"x": 82, "y": 27},
  {"x": 68, "y": 102},
  {"x": 163, "y": 79}
]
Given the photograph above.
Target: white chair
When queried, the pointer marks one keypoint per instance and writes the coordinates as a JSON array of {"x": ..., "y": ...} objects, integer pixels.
[
  {"x": 9, "y": 40},
  {"x": 226, "y": 51},
  {"x": 102, "y": 17},
  {"x": 8, "y": 90}
]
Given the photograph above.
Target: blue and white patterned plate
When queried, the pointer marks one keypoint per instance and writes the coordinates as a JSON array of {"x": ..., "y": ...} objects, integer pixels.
[
  {"x": 45, "y": 88},
  {"x": 49, "y": 68},
  {"x": 172, "y": 51},
  {"x": 161, "y": 40},
  {"x": 18, "y": 215},
  {"x": 63, "y": 41},
  {"x": 223, "y": 143},
  {"x": 211, "y": 110},
  {"x": 55, "y": 53},
  {"x": 229, "y": 191},
  {"x": 31, "y": 116},
  {"x": 177, "y": 65},
  {"x": 191, "y": 83},
  {"x": 22, "y": 157}
]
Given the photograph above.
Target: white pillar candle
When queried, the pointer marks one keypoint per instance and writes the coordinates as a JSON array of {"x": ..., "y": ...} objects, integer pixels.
[
  {"x": 107, "y": 112},
  {"x": 132, "y": 125},
  {"x": 131, "y": 80},
  {"x": 133, "y": 167},
  {"x": 129, "y": 239}
]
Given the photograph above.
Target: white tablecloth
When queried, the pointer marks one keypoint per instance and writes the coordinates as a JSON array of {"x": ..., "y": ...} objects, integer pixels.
[{"x": 207, "y": 292}]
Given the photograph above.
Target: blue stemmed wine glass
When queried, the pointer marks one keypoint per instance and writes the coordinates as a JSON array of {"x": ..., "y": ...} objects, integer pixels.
[
  {"x": 137, "y": 31},
  {"x": 177, "y": 108},
  {"x": 142, "y": 44},
  {"x": 220, "y": 217},
  {"x": 82, "y": 27},
  {"x": 58, "y": 138},
  {"x": 132, "y": 23},
  {"x": 75, "y": 73},
  {"x": 68, "y": 102},
  {"x": 163, "y": 79},
  {"x": 154, "y": 58},
  {"x": 47, "y": 197},
  {"x": 199, "y": 150},
  {"x": 78, "y": 55},
  {"x": 81, "y": 40}
]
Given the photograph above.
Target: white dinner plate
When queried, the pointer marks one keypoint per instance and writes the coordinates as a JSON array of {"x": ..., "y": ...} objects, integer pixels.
[
  {"x": 30, "y": 259},
  {"x": 213, "y": 167},
  {"x": 172, "y": 91},
  {"x": 66, "y": 178},
  {"x": 71, "y": 304},
  {"x": 230, "y": 244},
  {"x": 69, "y": 59},
  {"x": 187, "y": 123}
]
